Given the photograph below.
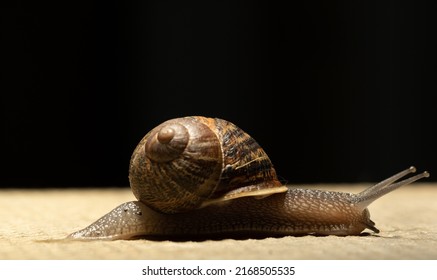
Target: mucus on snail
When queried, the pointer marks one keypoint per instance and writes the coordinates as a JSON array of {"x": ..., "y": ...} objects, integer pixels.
[{"x": 197, "y": 177}]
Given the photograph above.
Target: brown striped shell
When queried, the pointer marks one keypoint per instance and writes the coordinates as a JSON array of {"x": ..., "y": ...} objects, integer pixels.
[{"x": 187, "y": 163}]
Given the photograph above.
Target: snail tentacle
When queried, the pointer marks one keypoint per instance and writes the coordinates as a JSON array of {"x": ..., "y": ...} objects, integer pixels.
[{"x": 366, "y": 197}]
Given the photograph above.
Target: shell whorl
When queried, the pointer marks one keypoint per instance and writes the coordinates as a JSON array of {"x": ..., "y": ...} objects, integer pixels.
[
  {"x": 185, "y": 162},
  {"x": 168, "y": 143}
]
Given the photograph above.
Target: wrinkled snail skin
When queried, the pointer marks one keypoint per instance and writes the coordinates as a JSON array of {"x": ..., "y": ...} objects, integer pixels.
[
  {"x": 203, "y": 178},
  {"x": 295, "y": 212}
]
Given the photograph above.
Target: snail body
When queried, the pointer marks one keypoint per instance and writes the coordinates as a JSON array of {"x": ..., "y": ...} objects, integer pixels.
[{"x": 197, "y": 177}]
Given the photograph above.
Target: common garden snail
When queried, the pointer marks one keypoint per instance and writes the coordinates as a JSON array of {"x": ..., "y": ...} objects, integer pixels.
[{"x": 197, "y": 177}]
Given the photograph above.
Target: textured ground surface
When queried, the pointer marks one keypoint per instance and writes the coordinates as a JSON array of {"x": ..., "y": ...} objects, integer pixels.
[{"x": 34, "y": 220}]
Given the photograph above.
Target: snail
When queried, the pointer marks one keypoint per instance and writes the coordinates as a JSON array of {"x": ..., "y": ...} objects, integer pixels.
[{"x": 197, "y": 177}]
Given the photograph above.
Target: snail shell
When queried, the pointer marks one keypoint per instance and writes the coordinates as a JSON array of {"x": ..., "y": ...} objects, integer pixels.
[{"x": 190, "y": 162}]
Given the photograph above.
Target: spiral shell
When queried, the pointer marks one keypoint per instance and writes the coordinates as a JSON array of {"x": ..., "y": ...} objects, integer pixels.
[{"x": 187, "y": 163}]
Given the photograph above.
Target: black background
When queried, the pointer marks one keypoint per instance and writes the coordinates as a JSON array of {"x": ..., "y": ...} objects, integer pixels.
[{"x": 334, "y": 91}]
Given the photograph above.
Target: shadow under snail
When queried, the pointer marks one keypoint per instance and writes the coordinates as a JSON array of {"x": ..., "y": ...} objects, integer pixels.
[{"x": 197, "y": 177}]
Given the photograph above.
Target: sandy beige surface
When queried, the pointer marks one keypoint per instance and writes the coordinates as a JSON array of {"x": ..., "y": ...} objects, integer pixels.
[{"x": 33, "y": 221}]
